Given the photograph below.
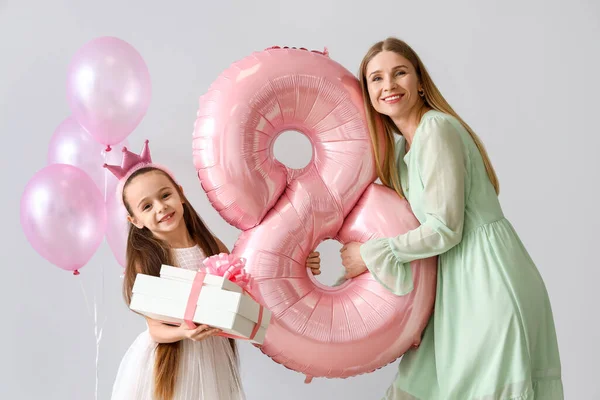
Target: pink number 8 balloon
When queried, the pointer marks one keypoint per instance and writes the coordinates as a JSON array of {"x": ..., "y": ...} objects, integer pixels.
[{"x": 341, "y": 331}]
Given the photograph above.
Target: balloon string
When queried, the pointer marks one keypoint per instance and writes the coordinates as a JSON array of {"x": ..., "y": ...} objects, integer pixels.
[
  {"x": 97, "y": 333},
  {"x": 99, "y": 329},
  {"x": 105, "y": 207},
  {"x": 97, "y": 345},
  {"x": 87, "y": 303},
  {"x": 105, "y": 179}
]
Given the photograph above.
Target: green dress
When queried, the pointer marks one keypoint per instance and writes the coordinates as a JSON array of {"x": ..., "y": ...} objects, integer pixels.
[{"x": 492, "y": 334}]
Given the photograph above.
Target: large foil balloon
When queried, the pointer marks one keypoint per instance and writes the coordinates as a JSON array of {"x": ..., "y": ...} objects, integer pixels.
[{"x": 284, "y": 213}]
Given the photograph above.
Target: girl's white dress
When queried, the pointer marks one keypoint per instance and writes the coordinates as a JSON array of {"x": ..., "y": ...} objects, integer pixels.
[{"x": 207, "y": 371}]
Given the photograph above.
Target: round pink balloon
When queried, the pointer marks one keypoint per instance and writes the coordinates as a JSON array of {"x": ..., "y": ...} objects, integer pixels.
[
  {"x": 63, "y": 215},
  {"x": 73, "y": 145},
  {"x": 108, "y": 89},
  {"x": 117, "y": 228},
  {"x": 343, "y": 331}
]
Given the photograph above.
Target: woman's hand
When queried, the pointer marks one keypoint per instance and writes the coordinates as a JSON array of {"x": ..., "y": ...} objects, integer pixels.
[
  {"x": 199, "y": 333},
  {"x": 352, "y": 260},
  {"x": 314, "y": 262}
]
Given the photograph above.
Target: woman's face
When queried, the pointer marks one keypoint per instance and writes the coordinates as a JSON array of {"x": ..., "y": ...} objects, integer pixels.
[{"x": 393, "y": 85}]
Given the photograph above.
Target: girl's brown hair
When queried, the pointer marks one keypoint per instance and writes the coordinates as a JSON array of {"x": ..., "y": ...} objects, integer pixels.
[{"x": 145, "y": 254}]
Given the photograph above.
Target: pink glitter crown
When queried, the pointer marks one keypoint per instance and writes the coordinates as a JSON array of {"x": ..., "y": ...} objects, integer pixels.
[{"x": 130, "y": 162}]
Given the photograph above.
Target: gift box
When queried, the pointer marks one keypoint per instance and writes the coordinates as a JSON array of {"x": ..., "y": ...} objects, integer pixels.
[{"x": 215, "y": 297}]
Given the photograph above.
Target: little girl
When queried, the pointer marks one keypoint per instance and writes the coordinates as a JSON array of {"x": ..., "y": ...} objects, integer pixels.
[{"x": 169, "y": 362}]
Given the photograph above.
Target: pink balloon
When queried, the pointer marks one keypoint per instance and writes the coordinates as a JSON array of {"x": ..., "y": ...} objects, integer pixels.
[
  {"x": 358, "y": 326},
  {"x": 117, "y": 228},
  {"x": 73, "y": 145},
  {"x": 108, "y": 89},
  {"x": 63, "y": 215}
]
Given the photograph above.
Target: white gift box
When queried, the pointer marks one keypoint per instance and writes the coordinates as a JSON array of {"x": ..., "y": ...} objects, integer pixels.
[{"x": 221, "y": 303}]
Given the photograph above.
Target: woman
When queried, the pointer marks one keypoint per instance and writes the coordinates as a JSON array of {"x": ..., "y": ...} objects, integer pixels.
[{"x": 492, "y": 333}]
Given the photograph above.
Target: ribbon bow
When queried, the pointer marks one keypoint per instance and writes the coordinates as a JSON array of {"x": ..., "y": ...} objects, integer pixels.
[{"x": 229, "y": 267}]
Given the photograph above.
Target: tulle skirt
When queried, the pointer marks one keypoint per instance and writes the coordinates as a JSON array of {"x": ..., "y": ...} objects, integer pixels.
[{"x": 208, "y": 370}]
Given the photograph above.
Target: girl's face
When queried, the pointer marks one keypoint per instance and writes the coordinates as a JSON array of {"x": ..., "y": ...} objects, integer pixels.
[
  {"x": 393, "y": 85},
  {"x": 155, "y": 204}
]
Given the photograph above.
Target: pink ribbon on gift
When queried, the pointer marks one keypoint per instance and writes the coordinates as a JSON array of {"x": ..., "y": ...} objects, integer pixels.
[
  {"x": 192, "y": 303},
  {"x": 231, "y": 268}
]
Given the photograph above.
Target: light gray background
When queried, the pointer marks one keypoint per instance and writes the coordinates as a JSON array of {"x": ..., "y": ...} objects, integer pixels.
[{"x": 524, "y": 74}]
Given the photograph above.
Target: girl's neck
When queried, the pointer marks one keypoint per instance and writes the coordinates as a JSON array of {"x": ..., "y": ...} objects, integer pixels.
[{"x": 178, "y": 239}]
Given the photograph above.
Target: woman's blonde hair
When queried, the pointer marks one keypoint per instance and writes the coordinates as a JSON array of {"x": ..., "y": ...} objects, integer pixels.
[{"x": 387, "y": 169}]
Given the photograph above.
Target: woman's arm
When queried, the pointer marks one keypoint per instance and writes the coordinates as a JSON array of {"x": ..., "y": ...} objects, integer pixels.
[{"x": 441, "y": 163}]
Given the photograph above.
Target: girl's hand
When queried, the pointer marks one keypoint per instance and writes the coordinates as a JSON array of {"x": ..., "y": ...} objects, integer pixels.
[
  {"x": 314, "y": 262},
  {"x": 352, "y": 260},
  {"x": 199, "y": 333}
]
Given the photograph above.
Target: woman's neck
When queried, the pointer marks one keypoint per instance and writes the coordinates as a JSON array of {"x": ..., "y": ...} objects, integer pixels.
[{"x": 408, "y": 123}]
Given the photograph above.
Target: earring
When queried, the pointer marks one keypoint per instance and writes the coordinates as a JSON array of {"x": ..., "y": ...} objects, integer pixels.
[{"x": 421, "y": 93}]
